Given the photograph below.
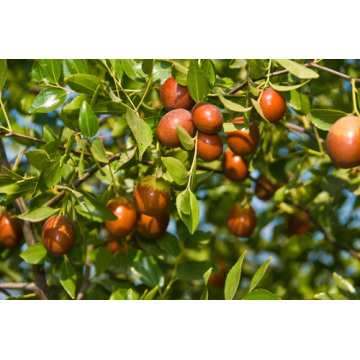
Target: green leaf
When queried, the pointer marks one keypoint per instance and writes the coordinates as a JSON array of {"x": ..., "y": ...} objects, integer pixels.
[
  {"x": 52, "y": 174},
  {"x": 237, "y": 63},
  {"x": 98, "y": 151},
  {"x": 258, "y": 109},
  {"x": 74, "y": 66},
  {"x": 198, "y": 85},
  {"x": 125, "y": 157},
  {"x": 119, "y": 294},
  {"x": 179, "y": 73},
  {"x": 49, "y": 134},
  {"x": 233, "y": 278},
  {"x": 287, "y": 87},
  {"x": 37, "y": 72},
  {"x": 147, "y": 66},
  {"x": 34, "y": 254},
  {"x": 205, "y": 293},
  {"x": 176, "y": 169},
  {"x": 146, "y": 269},
  {"x": 69, "y": 144},
  {"x": 52, "y": 69},
  {"x": 83, "y": 83},
  {"x": 141, "y": 131},
  {"x": 294, "y": 101},
  {"x": 88, "y": 121},
  {"x": 257, "y": 68},
  {"x": 260, "y": 294},
  {"x": 3, "y": 70},
  {"x": 254, "y": 90},
  {"x": 48, "y": 100},
  {"x": 193, "y": 270},
  {"x": 231, "y": 105},
  {"x": 259, "y": 274},
  {"x": 117, "y": 68},
  {"x": 102, "y": 259},
  {"x": 344, "y": 287},
  {"x": 297, "y": 69},
  {"x": 132, "y": 295},
  {"x": 151, "y": 294},
  {"x": 186, "y": 140},
  {"x": 325, "y": 119},
  {"x": 129, "y": 67},
  {"x": 39, "y": 214},
  {"x": 39, "y": 159},
  {"x": 169, "y": 243},
  {"x": 228, "y": 127},
  {"x": 67, "y": 278},
  {"x": 208, "y": 69},
  {"x": 188, "y": 201},
  {"x": 202, "y": 175}
]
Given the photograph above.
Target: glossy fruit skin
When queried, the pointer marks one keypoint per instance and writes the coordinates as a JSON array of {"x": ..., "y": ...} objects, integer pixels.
[
  {"x": 218, "y": 279},
  {"x": 298, "y": 224},
  {"x": 240, "y": 142},
  {"x": 241, "y": 221},
  {"x": 58, "y": 235},
  {"x": 166, "y": 129},
  {"x": 234, "y": 166},
  {"x": 152, "y": 196},
  {"x": 261, "y": 193},
  {"x": 10, "y": 231},
  {"x": 124, "y": 209},
  {"x": 343, "y": 143},
  {"x": 207, "y": 118},
  {"x": 209, "y": 147},
  {"x": 273, "y": 105},
  {"x": 153, "y": 227},
  {"x": 175, "y": 96}
]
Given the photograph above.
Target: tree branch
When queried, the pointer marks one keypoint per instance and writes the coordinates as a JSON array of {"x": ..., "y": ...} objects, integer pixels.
[{"x": 19, "y": 286}]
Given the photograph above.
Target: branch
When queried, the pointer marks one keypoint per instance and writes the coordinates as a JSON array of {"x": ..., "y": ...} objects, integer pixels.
[
  {"x": 310, "y": 64},
  {"x": 302, "y": 130},
  {"x": 19, "y": 286},
  {"x": 28, "y": 231},
  {"x": 86, "y": 281}
]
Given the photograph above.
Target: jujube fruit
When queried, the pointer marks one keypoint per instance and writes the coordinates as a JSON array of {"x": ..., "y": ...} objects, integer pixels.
[
  {"x": 207, "y": 118},
  {"x": 209, "y": 147},
  {"x": 151, "y": 227},
  {"x": 241, "y": 221},
  {"x": 343, "y": 142},
  {"x": 234, "y": 166},
  {"x": 166, "y": 129},
  {"x": 124, "y": 209},
  {"x": 260, "y": 192},
  {"x": 152, "y": 196},
  {"x": 10, "y": 231},
  {"x": 298, "y": 224},
  {"x": 58, "y": 235},
  {"x": 218, "y": 279},
  {"x": 175, "y": 96},
  {"x": 239, "y": 141},
  {"x": 114, "y": 246},
  {"x": 273, "y": 105}
]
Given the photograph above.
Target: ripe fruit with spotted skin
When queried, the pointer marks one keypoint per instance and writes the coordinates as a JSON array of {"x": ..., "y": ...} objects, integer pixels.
[
  {"x": 153, "y": 227},
  {"x": 152, "y": 196},
  {"x": 124, "y": 209},
  {"x": 273, "y": 105},
  {"x": 10, "y": 231},
  {"x": 239, "y": 141},
  {"x": 166, "y": 129},
  {"x": 298, "y": 224},
  {"x": 343, "y": 142},
  {"x": 209, "y": 147},
  {"x": 207, "y": 118},
  {"x": 234, "y": 166},
  {"x": 58, "y": 235},
  {"x": 260, "y": 192},
  {"x": 175, "y": 96},
  {"x": 241, "y": 220}
]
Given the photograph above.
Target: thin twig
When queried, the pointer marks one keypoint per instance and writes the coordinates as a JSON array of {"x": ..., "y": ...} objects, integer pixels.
[
  {"x": 19, "y": 286},
  {"x": 86, "y": 281}
]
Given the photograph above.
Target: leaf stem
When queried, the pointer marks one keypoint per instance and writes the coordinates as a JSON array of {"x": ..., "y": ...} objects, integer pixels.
[
  {"x": 6, "y": 117},
  {"x": 356, "y": 111}
]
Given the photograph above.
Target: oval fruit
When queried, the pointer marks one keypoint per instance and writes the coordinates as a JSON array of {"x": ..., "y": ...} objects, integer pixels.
[
  {"x": 273, "y": 105},
  {"x": 209, "y": 147},
  {"x": 234, "y": 166},
  {"x": 153, "y": 227},
  {"x": 241, "y": 221},
  {"x": 260, "y": 192},
  {"x": 10, "y": 230},
  {"x": 207, "y": 118}
]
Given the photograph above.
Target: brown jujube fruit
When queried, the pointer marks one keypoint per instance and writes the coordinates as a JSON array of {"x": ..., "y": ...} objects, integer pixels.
[
  {"x": 240, "y": 142},
  {"x": 124, "y": 209},
  {"x": 241, "y": 220},
  {"x": 298, "y": 224},
  {"x": 234, "y": 166},
  {"x": 153, "y": 227},
  {"x": 218, "y": 279},
  {"x": 152, "y": 196},
  {"x": 10, "y": 231},
  {"x": 207, "y": 118},
  {"x": 209, "y": 147},
  {"x": 166, "y": 129},
  {"x": 261, "y": 193},
  {"x": 58, "y": 235},
  {"x": 343, "y": 142},
  {"x": 273, "y": 105},
  {"x": 175, "y": 96}
]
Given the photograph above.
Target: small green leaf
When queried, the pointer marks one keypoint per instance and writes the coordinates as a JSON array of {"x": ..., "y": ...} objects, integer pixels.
[
  {"x": 231, "y": 105},
  {"x": 208, "y": 69},
  {"x": 52, "y": 69},
  {"x": 39, "y": 214},
  {"x": 68, "y": 278},
  {"x": 260, "y": 294},
  {"x": 179, "y": 73},
  {"x": 132, "y": 295},
  {"x": 49, "y": 134},
  {"x": 287, "y": 87},
  {"x": 237, "y": 63},
  {"x": 176, "y": 169},
  {"x": 344, "y": 287},
  {"x": 141, "y": 131},
  {"x": 259, "y": 274},
  {"x": 98, "y": 151},
  {"x": 294, "y": 101},
  {"x": 3, "y": 70},
  {"x": 74, "y": 66},
  {"x": 257, "y": 68},
  {"x": 88, "y": 121},
  {"x": 48, "y": 100},
  {"x": 129, "y": 67},
  {"x": 188, "y": 209},
  {"x": 83, "y": 83},
  {"x": 152, "y": 293},
  {"x": 297, "y": 69},
  {"x": 125, "y": 157},
  {"x": 119, "y": 294},
  {"x": 198, "y": 85},
  {"x": 205, "y": 293},
  {"x": 52, "y": 174},
  {"x": 147, "y": 66},
  {"x": 34, "y": 254},
  {"x": 325, "y": 119},
  {"x": 258, "y": 109},
  {"x": 37, "y": 72},
  {"x": 39, "y": 159},
  {"x": 254, "y": 90},
  {"x": 69, "y": 145},
  {"x": 233, "y": 278},
  {"x": 102, "y": 259},
  {"x": 169, "y": 243},
  {"x": 228, "y": 127},
  {"x": 186, "y": 140},
  {"x": 193, "y": 270}
]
